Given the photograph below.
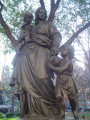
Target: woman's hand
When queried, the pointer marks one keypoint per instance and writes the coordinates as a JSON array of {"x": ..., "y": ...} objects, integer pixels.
[{"x": 54, "y": 50}]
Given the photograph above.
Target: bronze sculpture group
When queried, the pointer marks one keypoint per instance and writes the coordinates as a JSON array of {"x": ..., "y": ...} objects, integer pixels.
[{"x": 35, "y": 64}]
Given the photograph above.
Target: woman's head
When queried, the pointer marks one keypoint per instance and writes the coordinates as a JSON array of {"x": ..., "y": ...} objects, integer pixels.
[{"x": 40, "y": 14}]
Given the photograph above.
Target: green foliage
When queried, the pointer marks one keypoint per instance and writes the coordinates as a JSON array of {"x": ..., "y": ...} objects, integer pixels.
[
  {"x": 13, "y": 15},
  {"x": 1, "y": 115},
  {"x": 18, "y": 114},
  {"x": 71, "y": 15},
  {"x": 9, "y": 91},
  {"x": 88, "y": 93},
  {"x": 9, "y": 114},
  {"x": 80, "y": 1},
  {"x": 9, "y": 118}
]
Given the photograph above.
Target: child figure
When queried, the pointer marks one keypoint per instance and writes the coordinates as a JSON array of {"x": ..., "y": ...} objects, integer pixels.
[
  {"x": 26, "y": 31},
  {"x": 64, "y": 83}
]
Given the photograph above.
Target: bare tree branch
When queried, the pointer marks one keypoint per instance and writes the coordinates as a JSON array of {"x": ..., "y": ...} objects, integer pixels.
[
  {"x": 80, "y": 61},
  {"x": 83, "y": 49},
  {"x": 52, "y": 4},
  {"x": 53, "y": 10},
  {"x": 57, "y": 4},
  {"x": 78, "y": 74},
  {"x": 42, "y": 3},
  {"x": 1, "y": 8},
  {"x": 70, "y": 40},
  {"x": 7, "y": 31}
]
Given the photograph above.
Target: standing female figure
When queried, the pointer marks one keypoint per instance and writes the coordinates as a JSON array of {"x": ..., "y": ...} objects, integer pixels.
[{"x": 31, "y": 73}]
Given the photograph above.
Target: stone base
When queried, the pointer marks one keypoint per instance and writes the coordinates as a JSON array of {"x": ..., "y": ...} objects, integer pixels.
[
  {"x": 67, "y": 118},
  {"x": 38, "y": 119}
]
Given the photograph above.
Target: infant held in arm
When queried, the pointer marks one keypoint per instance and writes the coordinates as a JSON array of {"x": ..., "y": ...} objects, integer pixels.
[{"x": 26, "y": 31}]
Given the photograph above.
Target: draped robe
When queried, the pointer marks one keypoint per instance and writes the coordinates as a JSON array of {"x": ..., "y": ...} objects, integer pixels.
[{"x": 31, "y": 77}]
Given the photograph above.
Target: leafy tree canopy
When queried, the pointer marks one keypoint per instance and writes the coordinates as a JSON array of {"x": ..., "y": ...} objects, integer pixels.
[{"x": 70, "y": 16}]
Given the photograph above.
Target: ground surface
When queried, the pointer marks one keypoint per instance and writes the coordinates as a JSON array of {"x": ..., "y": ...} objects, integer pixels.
[{"x": 69, "y": 116}]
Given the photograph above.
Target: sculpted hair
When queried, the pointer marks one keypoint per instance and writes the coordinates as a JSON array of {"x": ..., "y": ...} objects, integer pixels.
[
  {"x": 70, "y": 50},
  {"x": 36, "y": 15},
  {"x": 28, "y": 14}
]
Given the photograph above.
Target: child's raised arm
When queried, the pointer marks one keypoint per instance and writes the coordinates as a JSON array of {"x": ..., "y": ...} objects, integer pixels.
[{"x": 60, "y": 69}]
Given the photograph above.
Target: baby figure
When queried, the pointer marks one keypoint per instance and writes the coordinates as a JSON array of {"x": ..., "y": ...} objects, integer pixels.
[
  {"x": 64, "y": 83},
  {"x": 26, "y": 31}
]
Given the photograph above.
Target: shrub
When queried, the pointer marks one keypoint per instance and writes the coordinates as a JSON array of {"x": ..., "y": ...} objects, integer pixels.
[
  {"x": 1, "y": 115},
  {"x": 18, "y": 114},
  {"x": 9, "y": 114}
]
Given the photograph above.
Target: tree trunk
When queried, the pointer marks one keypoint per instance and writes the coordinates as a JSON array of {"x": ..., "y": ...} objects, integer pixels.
[
  {"x": 13, "y": 103},
  {"x": 84, "y": 99},
  {"x": 7, "y": 31},
  {"x": 77, "y": 100},
  {"x": 70, "y": 40},
  {"x": 1, "y": 97}
]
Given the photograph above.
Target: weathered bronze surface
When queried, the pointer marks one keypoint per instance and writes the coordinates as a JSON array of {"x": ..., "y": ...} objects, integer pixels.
[
  {"x": 65, "y": 83},
  {"x": 35, "y": 63},
  {"x": 31, "y": 76},
  {"x": 26, "y": 31}
]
